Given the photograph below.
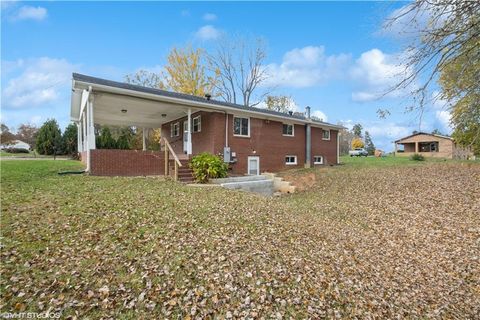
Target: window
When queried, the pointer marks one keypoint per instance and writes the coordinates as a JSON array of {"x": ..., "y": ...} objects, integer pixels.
[
  {"x": 318, "y": 160},
  {"x": 241, "y": 126},
  {"x": 326, "y": 134},
  {"x": 287, "y": 129},
  {"x": 197, "y": 124},
  {"x": 175, "y": 129},
  {"x": 290, "y": 160}
]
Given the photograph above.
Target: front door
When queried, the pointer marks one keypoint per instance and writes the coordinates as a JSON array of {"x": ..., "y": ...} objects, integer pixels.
[
  {"x": 253, "y": 165},
  {"x": 185, "y": 136}
]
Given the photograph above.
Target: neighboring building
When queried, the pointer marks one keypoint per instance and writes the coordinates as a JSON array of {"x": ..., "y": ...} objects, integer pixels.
[
  {"x": 251, "y": 140},
  {"x": 430, "y": 145},
  {"x": 17, "y": 144}
]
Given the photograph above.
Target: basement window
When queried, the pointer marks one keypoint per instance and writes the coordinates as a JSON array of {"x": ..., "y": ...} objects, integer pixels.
[
  {"x": 241, "y": 127},
  {"x": 175, "y": 129},
  {"x": 197, "y": 124},
  {"x": 326, "y": 134},
  {"x": 290, "y": 160},
  {"x": 288, "y": 130},
  {"x": 318, "y": 160}
]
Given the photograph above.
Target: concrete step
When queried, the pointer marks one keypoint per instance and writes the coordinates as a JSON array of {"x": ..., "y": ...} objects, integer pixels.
[
  {"x": 264, "y": 187},
  {"x": 238, "y": 179}
]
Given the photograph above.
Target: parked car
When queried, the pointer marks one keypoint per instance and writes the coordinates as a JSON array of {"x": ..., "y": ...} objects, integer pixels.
[{"x": 358, "y": 152}]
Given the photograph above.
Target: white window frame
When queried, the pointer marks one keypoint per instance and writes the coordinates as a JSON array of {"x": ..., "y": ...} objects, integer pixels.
[
  {"x": 290, "y": 163},
  {"x": 233, "y": 127},
  {"x": 293, "y": 130},
  {"x": 258, "y": 164},
  {"x": 318, "y": 162},
  {"x": 199, "y": 124},
  {"x": 172, "y": 129},
  {"x": 326, "y": 130}
]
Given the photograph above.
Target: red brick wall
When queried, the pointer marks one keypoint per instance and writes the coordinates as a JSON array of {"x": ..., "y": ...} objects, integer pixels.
[
  {"x": 266, "y": 141},
  {"x": 325, "y": 148},
  {"x": 112, "y": 162}
]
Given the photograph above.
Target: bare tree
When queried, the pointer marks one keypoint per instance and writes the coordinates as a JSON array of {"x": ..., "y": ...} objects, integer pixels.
[
  {"x": 436, "y": 31},
  {"x": 239, "y": 66},
  {"x": 145, "y": 78}
]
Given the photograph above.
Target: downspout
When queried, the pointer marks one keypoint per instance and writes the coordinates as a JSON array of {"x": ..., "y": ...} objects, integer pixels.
[
  {"x": 88, "y": 118},
  {"x": 308, "y": 140},
  {"x": 226, "y": 129}
]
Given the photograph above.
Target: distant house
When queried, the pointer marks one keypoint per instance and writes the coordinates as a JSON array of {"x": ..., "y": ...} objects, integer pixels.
[
  {"x": 18, "y": 144},
  {"x": 430, "y": 145}
]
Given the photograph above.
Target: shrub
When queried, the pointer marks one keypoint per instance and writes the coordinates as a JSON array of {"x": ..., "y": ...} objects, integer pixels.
[
  {"x": 357, "y": 143},
  {"x": 49, "y": 138},
  {"x": 417, "y": 157},
  {"x": 16, "y": 150},
  {"x": 207, "y": 166}
]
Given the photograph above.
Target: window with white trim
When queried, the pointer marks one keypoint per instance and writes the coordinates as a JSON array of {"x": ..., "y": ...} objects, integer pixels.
[
  {"x": 241, "y": 126},
  {"x": 175, "y": 129},
  {"x": 318, "y": 160},
  {"x": 197, "y": 124},
  {"x": 326, "y": 134},
  {"x": 290, "y": 160},
  {"x": 288, "y": 130}
]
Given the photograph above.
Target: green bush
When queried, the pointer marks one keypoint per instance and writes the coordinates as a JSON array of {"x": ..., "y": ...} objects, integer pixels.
[
  {"x": 417, "y": 157},
  {"x": 207, "y": 166}
]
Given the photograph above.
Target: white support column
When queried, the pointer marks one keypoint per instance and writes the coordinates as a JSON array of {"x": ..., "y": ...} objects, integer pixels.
[
  {"x": 84, "y": 132},
  {"x": 189, "y": 133},
  {"x": 91, "y": 131},
  {"x": 87, "y": 134},
  {"x": 79, "y": 136},
  {"x": 144, "y": 142}
]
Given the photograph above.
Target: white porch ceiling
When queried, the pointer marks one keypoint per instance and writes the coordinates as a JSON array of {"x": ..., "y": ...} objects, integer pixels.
[{"x": 107, "y": 110}]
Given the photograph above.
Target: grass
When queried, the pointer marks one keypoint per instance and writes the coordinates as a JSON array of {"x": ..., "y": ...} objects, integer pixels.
[
  {"x": 31, "y": 154},
  {"x": 387, "y": 161},
  {"x": 378, "y": 240}
]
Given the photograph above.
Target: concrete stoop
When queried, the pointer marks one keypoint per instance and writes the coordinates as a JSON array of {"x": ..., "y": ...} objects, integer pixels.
[
  {"x": 280, "y": 185},
  {"x": 266, "y": 184}
]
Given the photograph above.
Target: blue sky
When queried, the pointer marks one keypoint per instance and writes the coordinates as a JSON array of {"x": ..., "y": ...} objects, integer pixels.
[{"x": 331, "y": 56}]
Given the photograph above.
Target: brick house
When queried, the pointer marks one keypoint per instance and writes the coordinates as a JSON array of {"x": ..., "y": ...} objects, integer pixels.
[
  {"x": 430, "y": 145},
  {"x": 252, "y": 140}
]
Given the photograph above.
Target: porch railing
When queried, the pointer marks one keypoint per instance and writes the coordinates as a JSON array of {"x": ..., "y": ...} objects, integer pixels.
[{"x": 177, "y": 163}]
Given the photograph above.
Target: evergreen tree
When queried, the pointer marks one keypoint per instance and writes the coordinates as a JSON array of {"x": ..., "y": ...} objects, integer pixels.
[
  {"x": 105, "y": 140},
  {"x": 125, "y": 139},
  {"x": 70, "y": 139},
  {"x": 357, "y": 130},
  {"x": 49, "y": 138},
  {"x": 369, "y": 146}
]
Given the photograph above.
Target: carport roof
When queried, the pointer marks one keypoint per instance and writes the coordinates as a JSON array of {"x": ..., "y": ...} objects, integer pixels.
[{"x": 195, "y": 99}]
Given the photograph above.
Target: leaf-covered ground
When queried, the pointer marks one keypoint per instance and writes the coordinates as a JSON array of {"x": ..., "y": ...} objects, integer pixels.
[{"x": 383, "y": 242}]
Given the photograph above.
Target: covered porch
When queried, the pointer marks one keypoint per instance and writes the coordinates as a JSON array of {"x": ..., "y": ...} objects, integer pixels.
[{"x": 92, "y": 106}]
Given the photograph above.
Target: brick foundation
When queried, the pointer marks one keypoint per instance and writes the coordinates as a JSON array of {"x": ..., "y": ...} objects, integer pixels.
[{"x": 113, "y": 162}]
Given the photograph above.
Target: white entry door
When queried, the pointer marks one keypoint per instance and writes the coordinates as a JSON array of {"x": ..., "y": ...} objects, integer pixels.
[
  {"x": 253, "y": 165},
  {"x": 185, "y": 136}
]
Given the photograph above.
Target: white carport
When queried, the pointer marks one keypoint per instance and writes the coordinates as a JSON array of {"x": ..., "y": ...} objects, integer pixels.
[{"x": 105, "y": 105}]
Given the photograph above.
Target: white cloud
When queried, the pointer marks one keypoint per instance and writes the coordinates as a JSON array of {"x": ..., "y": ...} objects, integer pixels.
[
  {"x": 208, "y": 32},
  {"x": 375, "y": 73},
  {"x": 209, "y": 17},
  {"x": 306, "y": 67},
  {"x": 33, "y": 13},
  {"x": 444, "y": 118},
  {"x": 320, "y": 115},
  {"x": 39, "y": 81}
]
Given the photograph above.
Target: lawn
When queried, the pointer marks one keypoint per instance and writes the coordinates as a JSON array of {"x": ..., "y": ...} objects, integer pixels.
[{"x": 384, "y": 241}]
